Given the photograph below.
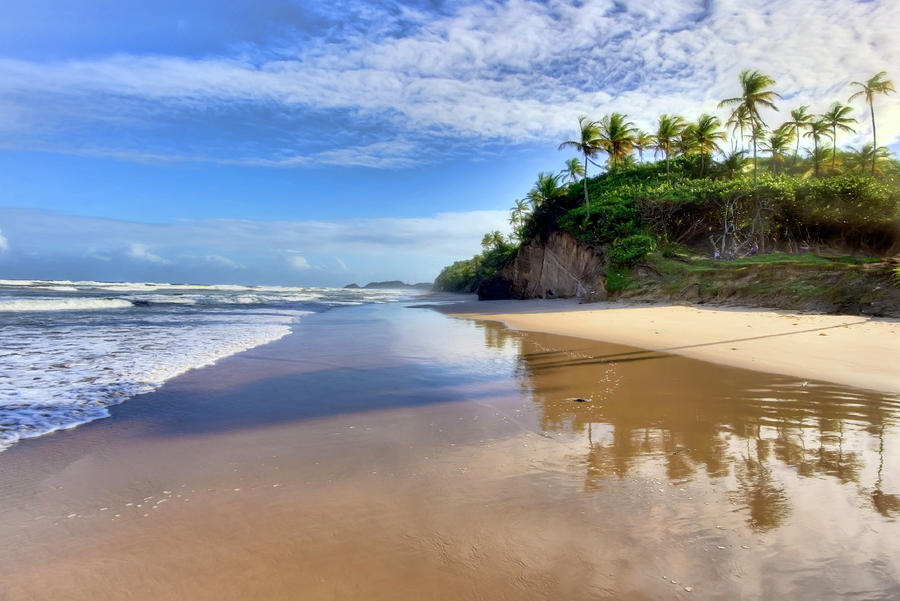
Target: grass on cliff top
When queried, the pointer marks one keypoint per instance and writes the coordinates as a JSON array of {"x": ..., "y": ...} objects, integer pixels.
[
  {"x": 759, "y": 275},
  {"x": 673, "y": 266}
]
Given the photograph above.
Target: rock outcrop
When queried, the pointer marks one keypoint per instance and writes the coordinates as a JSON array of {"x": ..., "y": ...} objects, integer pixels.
[{"x": 560, "y": 267}]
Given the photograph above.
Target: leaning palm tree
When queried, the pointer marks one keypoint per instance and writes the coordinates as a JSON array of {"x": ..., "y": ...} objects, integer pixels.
[
  {"x": 518, "y": 214},
  {"x": 859, "y": 160},
  {"x": 617, "y": 137},
  {"x": 800, "y": 119},
  {"x": 877, "y": 84},
  {"x": 573, "y": 172},
  {"x": 818, "y": 129},
  {"x": 687, "y": 142},
  {"x": 734, "y": 163},
  {"x": 777, "y": 143},
  {"x": 706, "y": 134},
  {"x": 739, "y": 121},
  {"x": 838, "y": 117},
  {"x": 668, "y": 131},
  {"x": 545, "y": 191},
  {"x": 755, "y": 94},
  {"x": 589, "y": 146},
  {"x": 642, "y": 141}
]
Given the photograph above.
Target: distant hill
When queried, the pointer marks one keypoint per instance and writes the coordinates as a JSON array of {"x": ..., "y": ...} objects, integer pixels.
[{"x": 392, "y": 285}]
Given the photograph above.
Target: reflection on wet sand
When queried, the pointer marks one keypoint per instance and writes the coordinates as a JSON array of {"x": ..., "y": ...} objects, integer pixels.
[
  {"x": 647, "y": 409},
  {"x": 407, "y": 456}
]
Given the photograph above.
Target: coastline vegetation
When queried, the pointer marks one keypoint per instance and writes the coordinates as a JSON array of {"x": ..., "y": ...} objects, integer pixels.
[{"x": 701, "y": 201}]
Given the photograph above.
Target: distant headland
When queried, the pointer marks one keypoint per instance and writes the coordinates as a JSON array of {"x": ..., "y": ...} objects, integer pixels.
[{"x": 391, "y": 285}]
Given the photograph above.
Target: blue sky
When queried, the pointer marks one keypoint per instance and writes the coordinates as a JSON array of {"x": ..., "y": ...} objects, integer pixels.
[{"x": 294, "y": 142}]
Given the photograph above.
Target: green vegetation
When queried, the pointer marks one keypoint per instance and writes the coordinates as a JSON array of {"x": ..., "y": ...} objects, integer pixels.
[
  {"x": 702, "y": 209},
  {"x": 467, "y": 275}
]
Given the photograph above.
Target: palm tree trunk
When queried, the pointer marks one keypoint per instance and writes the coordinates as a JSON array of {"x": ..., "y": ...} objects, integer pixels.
[
  {"x": 815, "y": 156},
  {"x": 874, "y": 143},
  {"x": 668, "y": 177},
  {"x": 587, "y": 202},
  {"x": 755, "y": 164},
  {"x": 833, "y": 146}
]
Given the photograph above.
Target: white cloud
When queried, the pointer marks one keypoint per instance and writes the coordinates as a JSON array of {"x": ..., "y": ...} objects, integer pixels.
[
  {"x": 4, "y": 243},
  {"x": 220, "y": 260},
  {"x": 413, "y": 248},
  {"x": 298, "y": 262},
  {"x": 142, "y": 253},
  {"x": 341, "y": 265},
  {"x": 511, "y": 71}
]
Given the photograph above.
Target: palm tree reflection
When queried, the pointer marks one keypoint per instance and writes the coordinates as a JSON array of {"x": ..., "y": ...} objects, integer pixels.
[{"x": 689, "y": 418}]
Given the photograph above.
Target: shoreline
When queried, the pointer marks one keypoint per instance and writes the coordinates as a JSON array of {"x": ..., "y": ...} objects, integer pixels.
[
  {"x": 843, "y": 349},
  {"x": 449, "y": 458}
]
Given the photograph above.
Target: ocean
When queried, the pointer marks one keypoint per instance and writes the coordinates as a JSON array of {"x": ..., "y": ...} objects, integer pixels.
[{"x": 70, "y": 350}]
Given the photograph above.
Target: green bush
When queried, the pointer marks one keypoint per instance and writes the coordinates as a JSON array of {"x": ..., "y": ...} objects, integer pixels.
[
  {"x": 461, "y": 276},
  {"x": 631, "y": 250},
  {"x": 611, "y": 217},
  {"x": 465, "y": 276}
]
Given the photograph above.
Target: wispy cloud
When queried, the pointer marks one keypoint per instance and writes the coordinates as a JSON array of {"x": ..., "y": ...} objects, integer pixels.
[
  {"x": 224, "y": 261},
  {"x": 508, "y": 72},
  {"x": 142, "y": 253},
  {"x": 4, "y": 243},
  {"x": 442, "y": 233},
  {"x": 298, "y": 262},
  {"x": 378, "y": 248}
]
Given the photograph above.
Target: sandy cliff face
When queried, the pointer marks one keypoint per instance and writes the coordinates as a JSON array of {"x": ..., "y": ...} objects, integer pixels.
[{"x": 561, "y": 267}]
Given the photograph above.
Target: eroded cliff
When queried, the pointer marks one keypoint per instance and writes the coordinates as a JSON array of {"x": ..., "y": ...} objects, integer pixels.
[{"x": 560, "y": 267}]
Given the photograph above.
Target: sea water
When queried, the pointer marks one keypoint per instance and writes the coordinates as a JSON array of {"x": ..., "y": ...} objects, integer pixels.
[{"x": 69, "y": 350}]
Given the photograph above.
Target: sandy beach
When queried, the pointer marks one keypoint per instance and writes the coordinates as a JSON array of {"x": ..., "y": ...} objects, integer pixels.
[
  {"x": 845, "y": 349},
  {"x": 386, "y": 452}
]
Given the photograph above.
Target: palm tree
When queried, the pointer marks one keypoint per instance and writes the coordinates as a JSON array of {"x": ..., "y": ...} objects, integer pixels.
[
  {"x": 642, "y": 141},
  {"x": 858, "y": 161},
  {"x": 492, "y": 241},
  {"x": 589, "y": 146},
  {"x": 800, "y": 119},
  {"x": 755, "y": 94},
  {"x": 617, "y": 137},
  {"x": 706, "y": 135},
  {"x": 573, "y": 172},
  {"x": 777, "y": 144},
  {"x": 687, "y": 141},
  {"x": 518, "y": 214},
  {"x": 838, "y": 117},
  {"x": 877, "y": 84},
  {"x": 817, "y": 130},
  {"x": 667, "y": 132},
  {"x": 738, "y": 121},
  {"x": 545, "y": 190},
  {"x": 734, "y": 162}
]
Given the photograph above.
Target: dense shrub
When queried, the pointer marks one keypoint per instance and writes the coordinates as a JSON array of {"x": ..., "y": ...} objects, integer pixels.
[
  {"x": 631, "y": 250},
  {"x": 638, "y": 208},
  {"x": 611, "y": 217},
  {"x": 466, "y": 275},
  {"x": 461, "y": 276}
]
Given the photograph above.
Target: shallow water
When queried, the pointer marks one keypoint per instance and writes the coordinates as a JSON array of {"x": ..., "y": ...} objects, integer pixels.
[
  {"x": 70, "y": 350},
  {"x": 390, "y": 453}
]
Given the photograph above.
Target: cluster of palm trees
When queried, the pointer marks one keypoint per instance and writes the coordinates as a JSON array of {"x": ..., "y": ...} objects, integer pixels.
[{"x": 618, "y": 138}]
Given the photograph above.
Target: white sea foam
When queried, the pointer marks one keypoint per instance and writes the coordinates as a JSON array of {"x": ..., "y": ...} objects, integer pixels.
[
  {"x": 62, "y": 304},
  {"x": 71, "y": 349},
  {"x": 71, "y": 373},
  {"x": 59, "y": 288}
]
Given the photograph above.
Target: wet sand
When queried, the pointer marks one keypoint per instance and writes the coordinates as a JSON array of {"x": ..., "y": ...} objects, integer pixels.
[
  {"x": 391, "y": 453},
  {"x": 852, "y": 350}
]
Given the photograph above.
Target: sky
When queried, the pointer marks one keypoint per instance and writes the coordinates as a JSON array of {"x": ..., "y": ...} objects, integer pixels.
[{"x": 297, "y": 142}]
